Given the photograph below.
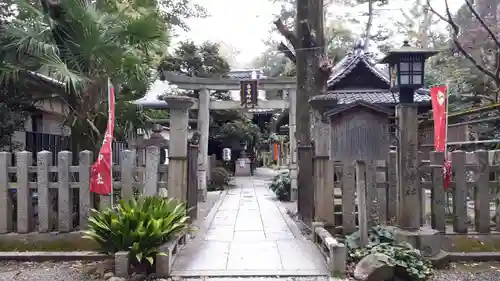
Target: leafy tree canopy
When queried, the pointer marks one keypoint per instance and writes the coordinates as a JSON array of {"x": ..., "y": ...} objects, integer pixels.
[
  {"x": 82, "y": 44},
  {"x": 227, "y": 127}
]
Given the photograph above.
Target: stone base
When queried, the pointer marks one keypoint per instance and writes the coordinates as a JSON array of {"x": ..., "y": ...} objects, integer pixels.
[
  {"x": 243, "y": 167},
  {"x": 426, "y": 239}
]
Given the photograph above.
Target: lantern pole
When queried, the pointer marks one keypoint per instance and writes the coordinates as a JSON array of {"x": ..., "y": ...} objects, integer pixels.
[{"x": 406, "y": 75}]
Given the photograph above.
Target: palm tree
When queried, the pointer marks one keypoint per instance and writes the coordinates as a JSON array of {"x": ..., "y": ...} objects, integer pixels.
[{"x": 82, "y": 43}]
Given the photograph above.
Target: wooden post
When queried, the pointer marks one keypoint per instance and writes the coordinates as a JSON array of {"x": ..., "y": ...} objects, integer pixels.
[
  {"x": 85, "y": 200},
  {"x": 482, "y": 193},
  {"x": 152, "y": 164},
  {"x": 460, "y": 217},
  {"x": 362, "y": 202},
  {"x": 193, "y": 193},
  {"x": 127, "y": 174},
  {"x": 348, "y": 198},
  {"x": 5, "y": 203},
  {"x": 438, "y": 196},
  {"x": 44, "y": 162},
  {"x": 24, "y": 203},
  {"x": 305, "y": 202},
  {"x": 371, "y": 199},
  {"x": 65, "y": 204},
  {"x": 392, "y": 193}
]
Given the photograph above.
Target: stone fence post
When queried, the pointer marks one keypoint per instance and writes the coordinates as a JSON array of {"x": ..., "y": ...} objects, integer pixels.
[{"x": 177, "y": 165}]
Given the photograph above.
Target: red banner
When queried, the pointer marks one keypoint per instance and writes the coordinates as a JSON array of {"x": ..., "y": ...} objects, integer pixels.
[
  {"x": 438, "y": 96},
  {"x": 101, "y": 181},
  {"x": 439, "y": 99},
  {"x": 275, "y": 151}
]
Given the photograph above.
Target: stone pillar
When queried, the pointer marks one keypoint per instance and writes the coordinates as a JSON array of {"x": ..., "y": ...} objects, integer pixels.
[
  {"x": 203, "y": 128},
  {"x": 177, "y": 164},
  {"x": 409, "y": 191},
  {"x": 323, "y": 180},
  {"x": 292, "y": 99},
  {"x": 407, "y": 167}
]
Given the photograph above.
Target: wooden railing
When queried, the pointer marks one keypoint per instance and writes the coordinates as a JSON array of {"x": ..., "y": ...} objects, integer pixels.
[
  {"x": 469, "y": 204},
  {"x": 43, "y": 197}
]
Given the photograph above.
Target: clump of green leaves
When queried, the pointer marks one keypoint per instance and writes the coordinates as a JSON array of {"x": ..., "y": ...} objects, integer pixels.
[
  {"x": 408, "y": 262},
  {"x": 281, "y": 186},
  {"x": 219, "y": 179},
  {"x": 138, "y": 226}
]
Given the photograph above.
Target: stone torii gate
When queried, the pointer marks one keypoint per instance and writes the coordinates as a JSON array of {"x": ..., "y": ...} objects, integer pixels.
[{"x": 180, "y": 105}]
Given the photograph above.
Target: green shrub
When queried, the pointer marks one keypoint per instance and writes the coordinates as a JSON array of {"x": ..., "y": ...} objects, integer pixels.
[
  {"x": 408, "y": 262},
  {"x": 139, "y": 226},
  {"x": 281, "y": 186},
  {"x": 219, "y": 179}
]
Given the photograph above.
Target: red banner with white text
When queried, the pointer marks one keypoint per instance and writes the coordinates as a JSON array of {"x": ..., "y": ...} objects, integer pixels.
[
  {"x": 101, "y": 181},
  {"x": 439, "y": 99}
]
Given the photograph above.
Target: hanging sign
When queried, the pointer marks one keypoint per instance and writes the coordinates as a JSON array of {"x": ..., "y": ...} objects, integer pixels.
[{"x": 249, "y": 92}]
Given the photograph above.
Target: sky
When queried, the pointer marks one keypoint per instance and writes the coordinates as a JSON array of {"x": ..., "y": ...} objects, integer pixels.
[
  {"x": 243, "y": 25},
  {"x": 236, "y": 23}
]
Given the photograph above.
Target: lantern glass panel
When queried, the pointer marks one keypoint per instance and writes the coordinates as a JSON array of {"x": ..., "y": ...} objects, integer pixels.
[
  {"x": 418, "y": 66},
  {"x": 404, "y": 66},
  {"x": 417, "y": 79},
  {"x": 404, "y": 79}
]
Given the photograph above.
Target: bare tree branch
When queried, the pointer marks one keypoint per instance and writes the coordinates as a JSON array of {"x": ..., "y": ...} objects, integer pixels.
[
  {"x": 287, "y": 52},
  {"x": 455, "y": 33},
  {"x": 287, "y": 33},
  {"x": 482, "y": 22}
]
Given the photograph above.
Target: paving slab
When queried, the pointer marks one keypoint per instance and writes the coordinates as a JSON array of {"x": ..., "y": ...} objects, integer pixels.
[{"x": 249, "y": 235}]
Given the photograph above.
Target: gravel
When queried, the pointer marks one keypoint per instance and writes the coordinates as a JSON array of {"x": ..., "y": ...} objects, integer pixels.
[
  {"x": 47, "y": 271},
  {"x": 312, "y": 278},
  {"x": 89, "y": 271},
  {"x": 489, "y": 271}
]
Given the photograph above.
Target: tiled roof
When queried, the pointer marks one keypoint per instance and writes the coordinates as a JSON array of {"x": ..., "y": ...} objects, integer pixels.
[
  {"x": 371, "y": 96},
  {"x": 350, "y": 61}
]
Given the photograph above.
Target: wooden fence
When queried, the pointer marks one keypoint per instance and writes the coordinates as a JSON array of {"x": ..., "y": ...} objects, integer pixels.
[
  {"x": 44, "y": 197},
  {"x": 469, "y": 205}
]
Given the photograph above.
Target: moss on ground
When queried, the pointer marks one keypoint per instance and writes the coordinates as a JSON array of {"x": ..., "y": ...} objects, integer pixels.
[{"x": 468, "y": 244}]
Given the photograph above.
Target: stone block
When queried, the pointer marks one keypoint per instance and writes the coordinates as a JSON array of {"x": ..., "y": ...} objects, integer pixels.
[
  {"x": 243, "y": 167},
  {"x": 338, "y": 258},
  {"x": 426, "y": 239},
  {"x": 313, "y": 235},
  {"x": 164, "y": 261},
  {"x": 122, "y": 264}
]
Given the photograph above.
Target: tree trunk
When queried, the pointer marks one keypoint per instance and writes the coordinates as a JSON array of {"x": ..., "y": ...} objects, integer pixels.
[{"x": 311, "y": 78}]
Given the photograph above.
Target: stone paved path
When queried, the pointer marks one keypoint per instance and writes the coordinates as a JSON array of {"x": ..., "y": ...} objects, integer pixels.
[{"x": 250, "y": 235}]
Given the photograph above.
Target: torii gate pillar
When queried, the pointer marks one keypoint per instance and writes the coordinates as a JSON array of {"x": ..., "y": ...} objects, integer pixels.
[{"x": 203, "y": 127}]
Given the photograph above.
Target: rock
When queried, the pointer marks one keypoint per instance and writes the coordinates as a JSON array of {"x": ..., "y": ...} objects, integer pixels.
[
  {"x": 138, "y": 277},
  {"x": 105, "y": 266},
  {"x": 114, "y": 278},
  {"x": 374, "y": 267},
  {"x": 108, "y": 275}
]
